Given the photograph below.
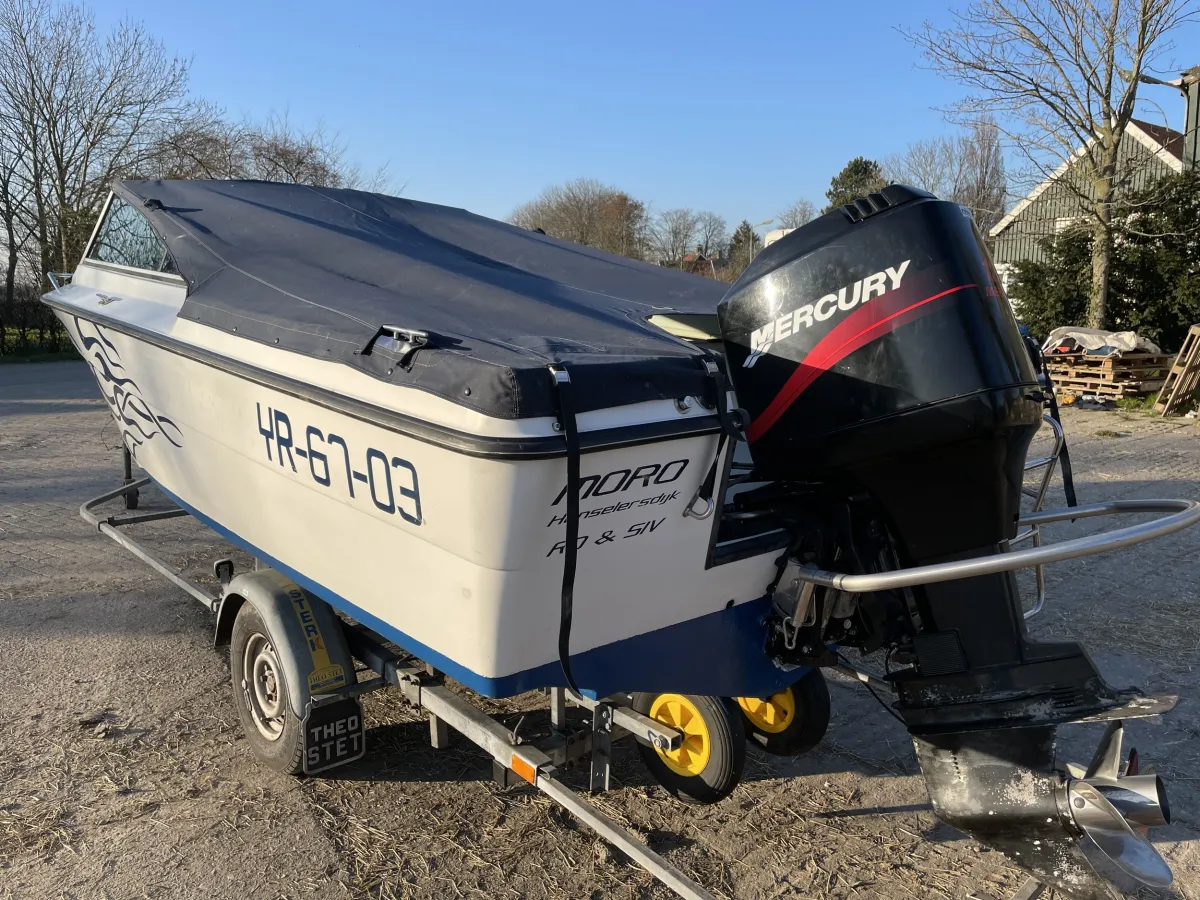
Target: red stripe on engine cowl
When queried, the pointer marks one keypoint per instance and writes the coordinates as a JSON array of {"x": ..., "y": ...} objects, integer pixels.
[{"x": 830, "y": 350}]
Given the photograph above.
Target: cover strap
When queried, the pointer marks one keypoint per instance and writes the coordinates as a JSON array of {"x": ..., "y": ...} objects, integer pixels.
[
  {"x": 566, "y": 416},
  {"x": 733, "y": 425},
  {"x": 1064, "y": 457}
]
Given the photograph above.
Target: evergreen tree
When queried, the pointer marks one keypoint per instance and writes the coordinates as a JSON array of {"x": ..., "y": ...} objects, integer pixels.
[
  {"x": 860, "y": 177},
  {"x": 1155, "y": 282},
  {"x": 742, "y": 247}
]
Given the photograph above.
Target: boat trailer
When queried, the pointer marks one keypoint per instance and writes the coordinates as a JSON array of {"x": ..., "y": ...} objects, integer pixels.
[{"x": 538, "y": 762}]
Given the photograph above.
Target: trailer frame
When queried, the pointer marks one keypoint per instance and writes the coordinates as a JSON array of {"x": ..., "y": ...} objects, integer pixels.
[{"x": 535, "y": 763}]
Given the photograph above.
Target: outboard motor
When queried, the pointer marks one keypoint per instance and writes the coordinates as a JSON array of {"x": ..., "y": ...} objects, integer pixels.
[{"x": 891, "y": 403}]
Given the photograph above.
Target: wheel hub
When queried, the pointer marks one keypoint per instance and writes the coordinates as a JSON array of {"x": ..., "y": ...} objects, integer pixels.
[
  {"x": 262, "y": 686},
  {"x": 772, "y": 715},
  {"x": 678, "y": 712}
]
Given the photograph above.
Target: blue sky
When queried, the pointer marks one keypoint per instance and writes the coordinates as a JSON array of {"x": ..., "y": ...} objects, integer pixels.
[{"x": 740, "y": 109}]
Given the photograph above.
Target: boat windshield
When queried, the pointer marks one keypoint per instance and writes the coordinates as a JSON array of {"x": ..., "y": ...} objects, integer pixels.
[{"x": 126, "y": 238}]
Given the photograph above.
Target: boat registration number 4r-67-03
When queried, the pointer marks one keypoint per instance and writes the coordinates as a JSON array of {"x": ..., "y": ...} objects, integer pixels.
[{"x": 388, "y": 481}]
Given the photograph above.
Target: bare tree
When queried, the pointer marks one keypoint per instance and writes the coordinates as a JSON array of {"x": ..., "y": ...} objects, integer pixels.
[
  {"x": 981, "y": 183},
  {"x": 712, "y": 234},
  {"x": 571, "y": 211},
  {"x": 967, "y": 168},
  {"x": 15, "y": 192},
  {"x": 799, "y": 213},
  {"x": 622, "y": 225},
  {"x": 280, "y": 152},
  {"x": 588, "y": 212},
  {"x": 929, "y": 165},
  {"x": 674, "y": 234},
  {"x": 1061, "y": 78},
  {"x": 79, "y": 109},
  {"x": 203, "y": 143}
]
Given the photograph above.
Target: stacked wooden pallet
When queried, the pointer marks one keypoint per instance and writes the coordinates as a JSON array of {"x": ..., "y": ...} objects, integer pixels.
[
  {"x": 1109, "y": 377},
  {"x": 1183, "y": 381}
]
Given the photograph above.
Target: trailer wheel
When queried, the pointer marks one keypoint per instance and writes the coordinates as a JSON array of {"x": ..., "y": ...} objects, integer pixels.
[
  {"x": 260, "y": 693},
  {"x": 708, "y": 764},
  {"x": 791, "y": 721}
]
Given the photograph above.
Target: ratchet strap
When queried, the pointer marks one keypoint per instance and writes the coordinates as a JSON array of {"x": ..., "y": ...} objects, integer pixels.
[
  {"x": 566, "y": 417},
  {"x": 704, "y": 493},
  {"x": 1064, "y": 458},
  {"x": 732, "y": 429},
  {"x": 733, "y": 424}
]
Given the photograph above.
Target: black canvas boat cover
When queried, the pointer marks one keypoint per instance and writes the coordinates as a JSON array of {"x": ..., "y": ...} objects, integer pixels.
[{"x": 319, "y": 271}]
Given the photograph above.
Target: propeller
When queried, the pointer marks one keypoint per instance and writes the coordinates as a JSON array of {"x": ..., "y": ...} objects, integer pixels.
[
  {"x": 1080, "y": 831},
  {"x": 1115, "y": 805},
  {"x": 1110, "y": 832}
]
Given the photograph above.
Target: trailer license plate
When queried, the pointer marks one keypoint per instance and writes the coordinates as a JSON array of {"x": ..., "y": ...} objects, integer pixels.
[{"x": 333, "y": 735}]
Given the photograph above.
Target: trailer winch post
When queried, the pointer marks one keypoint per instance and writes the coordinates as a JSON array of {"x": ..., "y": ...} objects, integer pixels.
[
  {"x": 558, "y": 707},
  {"x": 131, "y": 497},
  {"x": 602, "y": 737}
]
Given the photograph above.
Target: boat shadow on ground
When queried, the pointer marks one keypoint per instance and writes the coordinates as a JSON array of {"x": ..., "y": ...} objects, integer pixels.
[
  {"x": 400, "y": 753},
  {"x": 39, "y": 407}
]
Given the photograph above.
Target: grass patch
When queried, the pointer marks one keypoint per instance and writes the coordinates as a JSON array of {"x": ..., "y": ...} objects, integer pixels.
[
  {"x": 1109, "y": 433},
  {"x": 1144, "y": 403},
  {"x": 49, "y": 356}
]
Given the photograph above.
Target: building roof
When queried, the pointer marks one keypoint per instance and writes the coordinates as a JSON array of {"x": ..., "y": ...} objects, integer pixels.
[
  {"x": 1168, "y": 139},
  {"x": 1165, "y": 143}
]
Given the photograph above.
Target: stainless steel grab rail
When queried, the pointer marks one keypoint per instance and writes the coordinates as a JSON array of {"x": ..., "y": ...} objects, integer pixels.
[
  {"x": 1049, "y": 463},
  {"x": 1184, "y": 513}
]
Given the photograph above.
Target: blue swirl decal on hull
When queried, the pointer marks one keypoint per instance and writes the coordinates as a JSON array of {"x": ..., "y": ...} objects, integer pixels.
[{"x": 137, "y": 421}]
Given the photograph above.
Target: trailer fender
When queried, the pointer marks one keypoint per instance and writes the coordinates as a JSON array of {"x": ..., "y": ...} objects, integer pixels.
[
  {"x": 227, "y": 610},
  {"x": 305, "y": 630}
]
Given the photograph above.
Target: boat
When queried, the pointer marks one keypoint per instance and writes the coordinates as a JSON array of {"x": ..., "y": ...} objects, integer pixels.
[{"x": 532, "y": 464}]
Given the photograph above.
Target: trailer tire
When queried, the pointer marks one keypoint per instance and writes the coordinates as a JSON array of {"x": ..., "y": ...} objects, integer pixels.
[
  {"x": 709, "y": 765},
  {"x": 792, "y": 721},
  {"x": 260, "y": 693}
]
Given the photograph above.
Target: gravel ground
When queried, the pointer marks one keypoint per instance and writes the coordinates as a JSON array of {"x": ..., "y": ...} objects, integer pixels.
[{"x": 123, "y": 773}]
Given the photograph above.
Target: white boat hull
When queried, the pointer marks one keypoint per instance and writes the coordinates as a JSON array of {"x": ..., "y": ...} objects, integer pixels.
[{"x": 455, "y": 556}]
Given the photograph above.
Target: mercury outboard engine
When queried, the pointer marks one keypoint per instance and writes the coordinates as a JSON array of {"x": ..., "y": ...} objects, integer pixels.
[{"x": 890, "y": 403}]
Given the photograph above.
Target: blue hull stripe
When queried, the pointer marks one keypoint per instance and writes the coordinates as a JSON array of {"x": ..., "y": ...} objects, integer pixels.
[{"x": 719, "y": 654}]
